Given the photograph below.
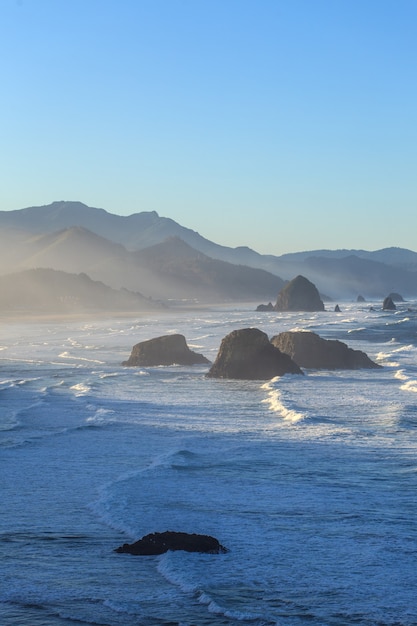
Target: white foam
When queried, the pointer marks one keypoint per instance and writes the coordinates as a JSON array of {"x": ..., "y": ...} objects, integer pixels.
[
  {"x": 81, "y": 389},
  {"x": 410, "y": 385},
  {"x": 400, "y": 375},
  {"x": 279, "y": 405}
]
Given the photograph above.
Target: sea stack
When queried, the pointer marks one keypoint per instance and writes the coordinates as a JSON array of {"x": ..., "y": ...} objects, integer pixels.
[
  {"x": 299, "y": 295},
  {"x": 248, "y": 354},
  {"x": 164, "y": 350}
]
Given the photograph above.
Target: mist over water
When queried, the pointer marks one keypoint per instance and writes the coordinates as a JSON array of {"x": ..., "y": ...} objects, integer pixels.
[{"x": 309, "y": 481}]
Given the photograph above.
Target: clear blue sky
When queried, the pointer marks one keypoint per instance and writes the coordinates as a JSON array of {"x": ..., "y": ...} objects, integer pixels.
[{"x": 281, "y": 125}]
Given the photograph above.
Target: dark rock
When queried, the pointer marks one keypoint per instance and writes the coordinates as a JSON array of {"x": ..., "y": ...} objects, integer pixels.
[
  {"x": 360, "y": 299},
  {"x": 248, "y": 354},
  {"x": 299, "y": 295},
  {"x": 158, "y": 543},
  {"x": 165, "y": 350},
  {"x": 388, "y": 304},
  {"x": 337, "y": 309},
  {"x": 309, "y": 350},
  {"x": 396, "y": 297},
  {"x": 265, "y": 307}
]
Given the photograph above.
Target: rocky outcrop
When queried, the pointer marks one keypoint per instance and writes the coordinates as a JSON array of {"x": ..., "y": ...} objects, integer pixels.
[
  {"x": 360, "y": 299},
  {"x": 310, "y": 351},
  {"x": 388, "y": 304},
  {"x": 396, "y": 297},
  {"x": 299, "y": 295},
  {"x": 265, "y": 307},
  {"x": 158, "y": 543},
  {"x": 165, "y": 350},
  {"x": 248, "y": 354}
]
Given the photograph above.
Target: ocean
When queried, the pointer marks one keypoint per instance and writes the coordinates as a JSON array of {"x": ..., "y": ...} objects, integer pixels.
[{"x": 309, "y": 481}]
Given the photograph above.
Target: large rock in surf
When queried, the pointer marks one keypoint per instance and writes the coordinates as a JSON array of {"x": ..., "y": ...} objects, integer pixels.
[
  {"x": 388, "y": 304},
  {"x": 248, "y": 354},
  {"x": 165, "y": 350},
  {"x": 299, "y": 295},
  {"x": 158, "y": 543},
  {"x": 310, "y": 351}
]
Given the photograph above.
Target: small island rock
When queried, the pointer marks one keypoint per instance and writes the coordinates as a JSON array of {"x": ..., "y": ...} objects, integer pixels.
[
  {"x": 310, "y": 351},
  {"x": 159, "y": 543},
  {"x": 396, "y": 297},
  {"x": 388, "y": 304},
  {"x": 248, "y": 354},
  {"x": 165, "y": 350},
  {"x": 299, "y": 295},
  {"x": 265, "y": 307}
]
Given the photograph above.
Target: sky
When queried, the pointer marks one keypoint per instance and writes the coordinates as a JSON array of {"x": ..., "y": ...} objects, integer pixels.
[{"x": 282, "y": 125}]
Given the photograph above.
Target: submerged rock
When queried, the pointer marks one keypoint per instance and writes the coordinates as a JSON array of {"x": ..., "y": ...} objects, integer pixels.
[
  {"x": 158, "y": 543},
  {"x": 248, "y": 354},
  {"x": 165, "y": 350},
  {"x": 299, "y": 295},
  {"x": 309, "y": 350}
]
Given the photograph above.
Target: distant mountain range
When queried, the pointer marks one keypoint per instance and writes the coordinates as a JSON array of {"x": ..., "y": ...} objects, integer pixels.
[{"x": 163, "y": 260}]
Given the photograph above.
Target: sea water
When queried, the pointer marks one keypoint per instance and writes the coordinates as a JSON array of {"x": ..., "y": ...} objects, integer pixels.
[{"x": 309, "y": 481}]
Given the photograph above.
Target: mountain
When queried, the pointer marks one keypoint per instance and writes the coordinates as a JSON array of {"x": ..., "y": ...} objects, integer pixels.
[
  {"x": 338, "y": 273},
  {"x": 170, "y": 270},
  {"x": 52, "y": 291},
  {"x": 186, "y": 268}
]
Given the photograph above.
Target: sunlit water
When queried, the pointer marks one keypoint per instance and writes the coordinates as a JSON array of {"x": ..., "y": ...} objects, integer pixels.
[{"x": 310, "y": 481}]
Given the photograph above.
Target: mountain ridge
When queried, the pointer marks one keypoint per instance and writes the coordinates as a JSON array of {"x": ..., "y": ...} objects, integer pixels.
[{"x": 333, "y": 271}]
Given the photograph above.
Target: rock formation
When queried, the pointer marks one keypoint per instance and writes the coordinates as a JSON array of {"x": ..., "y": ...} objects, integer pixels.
[
  {"x": 265, "y": 307},
  {"x": 388, "y": 304},
  {"x": 396, "y": 297},
  {"x": 158, "y": 543},
  {"x": 360, "y": 299},
  {"x": 165, "y": 350},
  {"x": 248, "y": 354},
  {"x": 299, "y": 295},
  {"x": 310, "y": 351}
]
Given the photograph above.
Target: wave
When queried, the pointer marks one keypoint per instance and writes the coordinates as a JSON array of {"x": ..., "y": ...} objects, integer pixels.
[
  {"x": 279, "y": 404},
  {"x": 408, "y": 383},
  {"x": 108, "y": 375},
  {"x": 67, "y": 355},
  {"x": 384, "y": 359},
  {"x": 174, "y": 569},
  {"x": 81, "y": 389}
]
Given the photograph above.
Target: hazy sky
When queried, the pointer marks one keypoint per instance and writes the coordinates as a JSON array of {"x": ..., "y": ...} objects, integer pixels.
[{"x": 284, "y": 125}]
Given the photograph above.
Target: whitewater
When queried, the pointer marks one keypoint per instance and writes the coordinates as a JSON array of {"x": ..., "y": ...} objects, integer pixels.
[{"x": 309, "y": 481}]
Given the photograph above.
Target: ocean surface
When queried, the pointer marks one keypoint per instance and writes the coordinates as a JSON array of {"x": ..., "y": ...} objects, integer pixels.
[{"x": 310, "y": 481}]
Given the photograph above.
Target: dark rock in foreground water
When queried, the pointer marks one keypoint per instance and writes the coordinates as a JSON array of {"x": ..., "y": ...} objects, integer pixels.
[
  {"x": 309, "y": 350},
  {"x": 158, "y": 543},
  {"x": 165, "y": 350},
  {"x": 248, "y": 354}
]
